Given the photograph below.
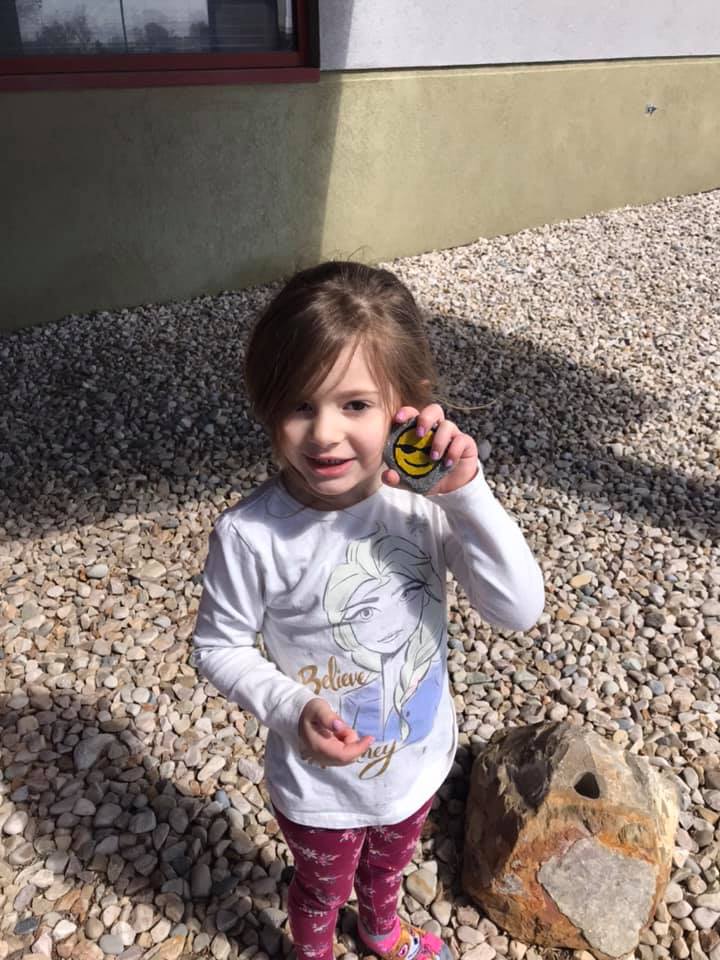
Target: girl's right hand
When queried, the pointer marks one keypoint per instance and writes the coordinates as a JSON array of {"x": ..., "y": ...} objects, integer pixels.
[
  {"x": 450, "y": 444},
  {"x": 327, "y": 740}
]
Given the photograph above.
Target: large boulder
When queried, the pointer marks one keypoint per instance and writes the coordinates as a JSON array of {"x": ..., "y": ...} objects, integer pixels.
[{"x": 569, "y": 838}]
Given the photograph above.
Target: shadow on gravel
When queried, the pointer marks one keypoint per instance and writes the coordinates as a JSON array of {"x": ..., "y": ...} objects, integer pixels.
[
  {"x": 102, "y": 824},
  {"x": 142, "y": 410},
  {"x": 569, "y": 426},
  {"x": 112, "y": 827}
]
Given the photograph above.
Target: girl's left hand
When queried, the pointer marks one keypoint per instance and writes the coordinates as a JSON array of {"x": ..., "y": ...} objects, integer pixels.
[{"x": 457, "y": 449}]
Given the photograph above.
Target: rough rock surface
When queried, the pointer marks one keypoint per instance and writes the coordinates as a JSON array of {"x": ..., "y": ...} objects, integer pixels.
[
  {"x": 569, "y": 837},
  {"x": 607, "y": 896},
  {"x": 562, "y": 827}
]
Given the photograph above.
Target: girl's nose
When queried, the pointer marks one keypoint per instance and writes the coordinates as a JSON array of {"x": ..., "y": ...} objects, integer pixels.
[{"x": 324, "y": 429}]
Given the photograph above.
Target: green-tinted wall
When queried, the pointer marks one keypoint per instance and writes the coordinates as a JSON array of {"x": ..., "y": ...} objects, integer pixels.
[{"x": 116, "y": 197}]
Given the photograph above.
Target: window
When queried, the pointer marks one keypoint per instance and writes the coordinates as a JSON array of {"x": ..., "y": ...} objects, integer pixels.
[{"x": 68, "y": 43}]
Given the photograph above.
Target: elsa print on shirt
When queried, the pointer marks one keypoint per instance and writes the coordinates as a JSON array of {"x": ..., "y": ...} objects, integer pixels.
[{"x": 385, "y": 605}]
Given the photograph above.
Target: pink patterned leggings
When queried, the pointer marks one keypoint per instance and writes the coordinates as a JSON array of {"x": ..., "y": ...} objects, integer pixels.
[{"x": 327, "y": 862}]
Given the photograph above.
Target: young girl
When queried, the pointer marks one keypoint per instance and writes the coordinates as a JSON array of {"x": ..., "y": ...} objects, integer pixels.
[{"x": 343, "y": 572}]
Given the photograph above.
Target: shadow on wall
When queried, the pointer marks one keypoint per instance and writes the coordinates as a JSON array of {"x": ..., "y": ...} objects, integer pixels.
[
  {"x": 143, "y": 195},
  {"x": 145, "y": 410}
]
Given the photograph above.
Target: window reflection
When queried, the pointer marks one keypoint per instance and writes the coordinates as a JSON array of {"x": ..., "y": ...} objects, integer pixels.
[{"x": 69, "y": 27}]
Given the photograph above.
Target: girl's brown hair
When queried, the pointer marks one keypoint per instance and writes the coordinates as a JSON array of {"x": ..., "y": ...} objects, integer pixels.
[{"x": 303, "y": 330}]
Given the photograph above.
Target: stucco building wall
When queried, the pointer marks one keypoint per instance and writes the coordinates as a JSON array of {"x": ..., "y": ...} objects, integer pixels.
[
  {"x": 119, "y": 197},
  {"x": 372, "y": 34}
]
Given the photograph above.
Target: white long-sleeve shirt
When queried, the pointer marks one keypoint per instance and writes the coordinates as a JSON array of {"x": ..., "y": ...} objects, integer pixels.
[{"x": 351, "y": 605}]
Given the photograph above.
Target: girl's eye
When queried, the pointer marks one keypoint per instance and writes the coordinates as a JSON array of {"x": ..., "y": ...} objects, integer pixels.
[
  {"x": 302, "y": 407},
  {"x": 358, "y": 405}
]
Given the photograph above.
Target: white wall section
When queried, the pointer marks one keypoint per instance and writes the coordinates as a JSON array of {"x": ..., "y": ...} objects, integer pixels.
[{"x": 377, "y": 34}]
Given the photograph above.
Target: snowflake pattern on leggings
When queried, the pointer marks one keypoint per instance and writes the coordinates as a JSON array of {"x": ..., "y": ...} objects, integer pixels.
[{"x": 327, "y": 862}]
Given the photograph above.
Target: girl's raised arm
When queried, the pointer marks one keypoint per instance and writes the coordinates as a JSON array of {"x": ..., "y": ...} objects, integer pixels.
[{"x": 488, "y": 554}]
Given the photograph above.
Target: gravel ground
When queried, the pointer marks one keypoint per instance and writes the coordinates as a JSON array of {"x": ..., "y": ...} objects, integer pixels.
[{"x": 132, "y": 812}]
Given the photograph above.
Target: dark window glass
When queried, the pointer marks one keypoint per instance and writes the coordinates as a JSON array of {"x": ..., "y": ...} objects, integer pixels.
[{"x": 70, "y": 28}]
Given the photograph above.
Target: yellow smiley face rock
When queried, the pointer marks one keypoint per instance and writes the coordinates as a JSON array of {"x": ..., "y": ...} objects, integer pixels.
[
  {"x": 412, "y": 453},
  {"x": 409, "y": 455}
]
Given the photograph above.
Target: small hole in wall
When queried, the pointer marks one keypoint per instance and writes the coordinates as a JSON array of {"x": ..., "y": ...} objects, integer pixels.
[{"x": 588, "y": 786}]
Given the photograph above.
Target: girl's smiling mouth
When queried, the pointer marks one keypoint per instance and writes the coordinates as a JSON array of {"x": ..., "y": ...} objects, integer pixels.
[{"x": 329, "y": 466}]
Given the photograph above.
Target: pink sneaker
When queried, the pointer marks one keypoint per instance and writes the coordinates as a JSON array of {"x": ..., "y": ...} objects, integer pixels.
[{"x": 409, "y": 943}]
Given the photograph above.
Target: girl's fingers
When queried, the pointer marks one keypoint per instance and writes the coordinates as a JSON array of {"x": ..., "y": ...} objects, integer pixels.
[
  {"x": 346, "y": 734},
  {"x": 322, "y": 729},
  {"x": 347, "y": 752},
  {"x": 404, "y": 414},
  {"x": 327, "y": 740},
  {"x": 363, "y": 744},
  {"x": 444, "y": 435},
  {"x": 463, "y": 468},
  {"x": 331, "y": 726},
  {"x": 461, "y": 447},
  {"x": 391, "y": 478},
  {"x": 428, "y": 417}
]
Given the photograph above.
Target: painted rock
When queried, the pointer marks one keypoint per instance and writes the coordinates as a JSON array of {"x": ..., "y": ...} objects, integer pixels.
[
  {"x": 569, "y": 838},
  {"x": 409, "y": 455}
]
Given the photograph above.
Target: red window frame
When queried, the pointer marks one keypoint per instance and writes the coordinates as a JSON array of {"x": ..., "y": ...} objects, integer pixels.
[{"x": 169, "y": 70}]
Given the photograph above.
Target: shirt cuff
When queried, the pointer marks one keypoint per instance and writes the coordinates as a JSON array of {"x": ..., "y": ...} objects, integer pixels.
[{"x": 474, "y": 489}]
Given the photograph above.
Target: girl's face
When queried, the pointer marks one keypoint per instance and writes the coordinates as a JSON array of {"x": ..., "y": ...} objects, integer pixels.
[{"x": 333, "y": 440}]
